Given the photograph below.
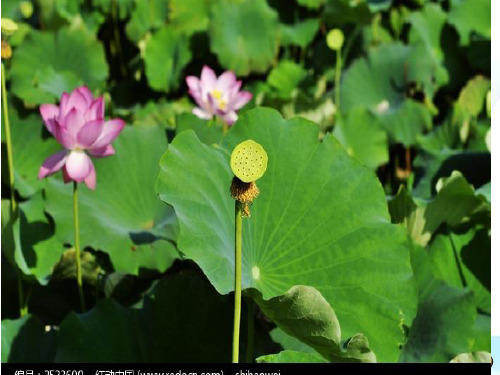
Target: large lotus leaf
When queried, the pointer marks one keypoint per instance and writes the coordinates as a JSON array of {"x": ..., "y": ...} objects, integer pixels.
[
  {"x": 320, "y": 220},
  {"x": 431, "y": 166},
  {"x": 47, "y": 64},
  {"x": 167, "y": 52},
  {"x": 207, "y": 131},
  {"x": 455, "y": 203},
  {"x": 28, "y": 241},
  {"x": 427, "y": 25},
  {"x": 300, "y": 33},
  {"x": 464, "y": 260},
  {"x": 346, "y": 11},
  {"x": 313, "y": 4},
  {"x": 473, "y": 95},
  {"x": 290, "y": 356},
  {"x": 189, "y": 16},
  {"x": 244, "y": 35},
  {"x": 444, "y": 325},
  {"x": 24, "y": 340},
  {"x": 168, "y": 328},
  {"x": 471, "y": 16},
  {"x": 29, "y": 149},
  {"x": 285, "y": 78},
  {"x": 289, "y": 342},
  {"x": 122, "y": 216},
  {"x": 78, "y": 13},
  {"x": 362, "y": 135},
  {"x": 303, "y": 313},
  {"x": 380, "y": 82},
  {"x": 146, "y": 16}
]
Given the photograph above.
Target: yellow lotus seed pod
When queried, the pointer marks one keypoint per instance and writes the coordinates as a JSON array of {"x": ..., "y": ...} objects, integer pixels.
[
  {"x": 8, "y": 26},
  {"x": 335, "y": 39},
  {"x": 249, "y": 161}
]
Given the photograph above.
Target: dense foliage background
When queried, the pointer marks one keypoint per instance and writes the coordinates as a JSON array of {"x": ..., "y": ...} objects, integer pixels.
[{"x": 382, "y": 212}]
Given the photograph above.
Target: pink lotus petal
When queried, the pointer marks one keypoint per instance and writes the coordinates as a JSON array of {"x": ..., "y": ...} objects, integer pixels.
[
  {"x": 52, "y": 164},
  {"x": 63, "y": 105},
  {"x": 242, "y": 98},
  {"x": 89, "y": 133},
  {"x": 78, "y": 165},
  {"x": 64, "y": 137},
  {"x": 73, "y": 122},
  {"x": 96, "y": 110},
  {"x": 109, "y": 132},
  {"x": 230, "y": 117},
  {"x": 193, "y": 83},
  {"x": 66, "y": 177},
  {"x": 78, "y": 101},
  {"x": 49, "y": 112},
  {"x": 90, "y": 180},
  {"x": 208, "y": 78},
  {"x": 85, "y": 92},
  {"x": 226, "y": 81},
  {"x": 102, "y": 152},
  {"x": 202, "y": 114}
]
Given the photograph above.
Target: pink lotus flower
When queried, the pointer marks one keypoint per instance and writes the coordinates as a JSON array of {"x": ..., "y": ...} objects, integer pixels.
[
  {"x": 78, "y": 125},
  {"x": 217, "y": 96}
]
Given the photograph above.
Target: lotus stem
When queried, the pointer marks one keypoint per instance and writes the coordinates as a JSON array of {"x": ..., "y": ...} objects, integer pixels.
[
  {"x": 250, "y": 329},
  {"x": 237, "y": 280},
  {"x": 8, "y": 139},
  {"x": 77, "y": 246},
  {"x": 23, "y": 309},
  {"x": 338, "y": 71}
]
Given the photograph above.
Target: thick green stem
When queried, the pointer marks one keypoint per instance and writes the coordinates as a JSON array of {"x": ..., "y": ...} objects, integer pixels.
[
  {"x": 338, "y": 71},
  {"x": 10, "y": 160},
  {"x": 237, "y": 281},
  {"x": 77, "y": 246},
  {"x": 250, "y": 319},
  {"x": 23, "y": 310}
]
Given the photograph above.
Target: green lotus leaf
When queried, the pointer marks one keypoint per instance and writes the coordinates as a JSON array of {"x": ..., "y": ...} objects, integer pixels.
[
  {"x": 312, "y": 4},
  {"x": 473, "y": 95},
  {"x": 300, "y": 33},
  {"x": 320, "y": 220},
  {"x": 303, "y": 313},
  {"x": 427, "y": 25},
  {"x": 471, "y": 16},
  {"x": 363, "y": 137},
  {"x": 28, "y": 131},
  {"x": 168, "y": 327},
  {"x": 456, "y": 203},
  {"x": 464, "y": 260},
  {"x": 166, "y": 54},
  {"x": 146, "y": 16},
  {"x": 121, "y": 7},
  {"x": 122, "y": 217},
  {"x": 207, "y": 131},
  {"x": 290, "y": 356},
  {"x": 161, "y": 113},
  {"x": 346, "y": 11},
  {"x": 28, "y": 241},
  {"x": 290, "y": 343},
  {"x": 24, "y": 340},
  {"x": 285, "y": 78},
  {"x": 70, "y": 58},
  {"x": 244, "y": 35},
  {"x": 189, "y": 16},
  {"x": 444, "y": 325},
  {"x": 380, "y": 83},
  {"x": 431, "y": 166}
]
